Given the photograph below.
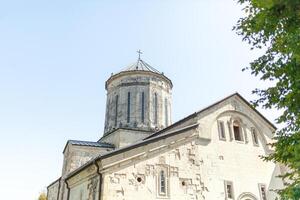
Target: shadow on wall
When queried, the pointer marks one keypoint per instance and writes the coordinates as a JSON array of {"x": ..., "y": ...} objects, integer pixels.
[{"x": 275, "y": 183}]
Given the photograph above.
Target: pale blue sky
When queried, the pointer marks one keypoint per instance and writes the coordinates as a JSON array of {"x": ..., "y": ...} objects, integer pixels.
[{"x": 56, "y": 55}]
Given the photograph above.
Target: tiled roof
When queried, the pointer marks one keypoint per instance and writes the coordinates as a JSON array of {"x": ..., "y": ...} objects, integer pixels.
[
  {"x": 91, "y": 144},
  {"x": 140, "y": 65}
]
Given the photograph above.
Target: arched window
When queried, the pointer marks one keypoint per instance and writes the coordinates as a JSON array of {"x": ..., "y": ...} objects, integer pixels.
[
  {"x": 237, "y": 131},
  {"x": 128, "y": 107},
  {"x": 143, "y": 107},
  {"x": 221, "y": 129},
  {"x": 155, "y": 108},
  {"x": 254, "y": 136},
  {"x": 116, "y": 113},
  {"x": 166, "y": 112},
  {"x": 162, "y": 183}
]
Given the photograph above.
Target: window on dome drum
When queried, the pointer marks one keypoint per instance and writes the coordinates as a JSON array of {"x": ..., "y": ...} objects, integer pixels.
[
  {"x": 116, "y": 114},
  {"x": 237, "y": 131},
  {"x": 221, "y": 129},
  {"x": 128, "y": 107},
  {"x": 162, "y": 183},
  {"x": 254, "y": 136},
  {"x": 143, "y": 107},
  {"x": 166, "y": 112},
  {"x": 228, "y": 190},
  {"x": 155, "y": 108},
  {"x": 262, "y": 191}
]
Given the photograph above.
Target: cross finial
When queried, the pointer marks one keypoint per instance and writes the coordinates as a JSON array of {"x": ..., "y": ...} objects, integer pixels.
[{"x": 139, "y": 52}]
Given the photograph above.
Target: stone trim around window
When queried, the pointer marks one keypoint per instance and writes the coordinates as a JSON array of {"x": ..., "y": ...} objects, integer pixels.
[
  {"x": 221, "y": 130},
  {"x": 237, "y": 131},
  {"x": 163, "y": 186},
  {"x": 229, "y": 190},
  {"x": 262, "y": 191},
  {"x": 254, "y": 136}
]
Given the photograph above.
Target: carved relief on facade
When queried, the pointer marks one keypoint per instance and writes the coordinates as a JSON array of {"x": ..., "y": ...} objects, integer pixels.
[
  {"x": 174, "y": 171},
  {"x": 116, "y": 178},
  {"x": 149, "y": 169},
  {"x": 92, "y": 188}
]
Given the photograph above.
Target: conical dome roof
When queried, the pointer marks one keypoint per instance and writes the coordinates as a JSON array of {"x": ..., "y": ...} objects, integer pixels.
[
  {"x": 136, "y": 67},
  {"x": 140, "y": 65}
]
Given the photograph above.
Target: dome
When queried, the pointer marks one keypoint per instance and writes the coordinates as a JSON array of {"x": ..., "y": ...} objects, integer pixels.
[
  {"x": 138, "y": 98},
  {"x": 140, "y": 65}
]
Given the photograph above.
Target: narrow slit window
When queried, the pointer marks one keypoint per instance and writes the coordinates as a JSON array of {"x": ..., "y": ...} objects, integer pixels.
[
  {"x": 107, "y": 113},
  {"x": 221, "y": 129},
  {"x": 162, "y": 181},
  {"x": 128, "y": 107},
  {"x": 229, "y": 190},
  {"x": 254, "y": 136},
  {"x": 262, "y": 191},
  {"x": 155, "y": 108},
  {"x": 237, "y": 131},
  {"x": 143, "y": 107},
  {"x": 116, "y": 113},
  {"x": 166, "y": 112}
]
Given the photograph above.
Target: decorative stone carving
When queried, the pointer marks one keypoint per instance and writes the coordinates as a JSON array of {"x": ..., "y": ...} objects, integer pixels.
[
  {"x": 162, "y": 160},
  {"x": 174, "y": 171},
  {"x": 92, "y": 188}
]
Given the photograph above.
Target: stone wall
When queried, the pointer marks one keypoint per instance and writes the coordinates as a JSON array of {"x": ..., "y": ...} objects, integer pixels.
[
  {"x": 123, "y": 137},
  {"x": 183, "y": 177},
  {"x": 52, "y": 190},
  {"x": 197, "y": 162},
  {"x": 137, "y": 83},
  {"x": 74, "y": 157}
]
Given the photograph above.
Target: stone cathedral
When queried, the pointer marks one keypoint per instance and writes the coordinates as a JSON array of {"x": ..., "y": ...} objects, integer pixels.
[{"x": 211, "y": 154}]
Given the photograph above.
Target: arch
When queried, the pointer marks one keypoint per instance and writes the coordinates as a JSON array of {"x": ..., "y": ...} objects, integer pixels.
[
  {"x": 235, "y": 115},
  {"x": 247, "y": 196}
]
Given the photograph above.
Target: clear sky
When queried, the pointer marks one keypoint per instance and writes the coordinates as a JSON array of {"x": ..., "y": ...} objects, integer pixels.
[{"x": 56, "y": 55}]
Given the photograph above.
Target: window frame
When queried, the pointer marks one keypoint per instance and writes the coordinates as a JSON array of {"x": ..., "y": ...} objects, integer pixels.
[
  {"x": 155, "y": 109},
  {"x": 226, "y": 183},
  {"x": 143, "y": 108},
  {"x": 128, "y": 107},
  {"x": 255, "y": 139},
  {"x": 221, "y": 130},
  {"x": 165, "y": 193},
  {"x": 237, "y": 123},
  {"x": 260, "y": 186},
  {"x": 166, "y": 112},
  {"x": 116, "y": 110}
]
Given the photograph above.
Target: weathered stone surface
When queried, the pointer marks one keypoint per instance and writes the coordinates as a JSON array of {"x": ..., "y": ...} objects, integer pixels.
[
  {"x": 52, "y": 190},
  {"x": 137, "y": 83},
  {"x": 195, "y": 162}
]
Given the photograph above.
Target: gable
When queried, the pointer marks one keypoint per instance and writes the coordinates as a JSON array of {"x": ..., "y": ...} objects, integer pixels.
[
  {"x": 236, "y": 102},
  {"x": 204, "y": 118}
]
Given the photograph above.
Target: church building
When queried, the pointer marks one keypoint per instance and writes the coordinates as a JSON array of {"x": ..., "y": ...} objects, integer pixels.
[{"x": 212, "y": 154}]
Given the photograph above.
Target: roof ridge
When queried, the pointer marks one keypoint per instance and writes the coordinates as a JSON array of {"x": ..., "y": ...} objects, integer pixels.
[
  {"x": 140, "y": 65},
  {"x": 89, "y": 143},
  {"x": 207, "y": 107}
]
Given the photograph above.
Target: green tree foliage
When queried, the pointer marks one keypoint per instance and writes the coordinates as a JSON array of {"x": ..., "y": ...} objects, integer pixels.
[
  {"x": 42, "y": 196},
  {"x": 274, "y": 26}
]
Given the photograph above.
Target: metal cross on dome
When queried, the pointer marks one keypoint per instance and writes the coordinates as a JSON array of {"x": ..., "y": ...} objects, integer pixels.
[{"x": 139, "y": 52}]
